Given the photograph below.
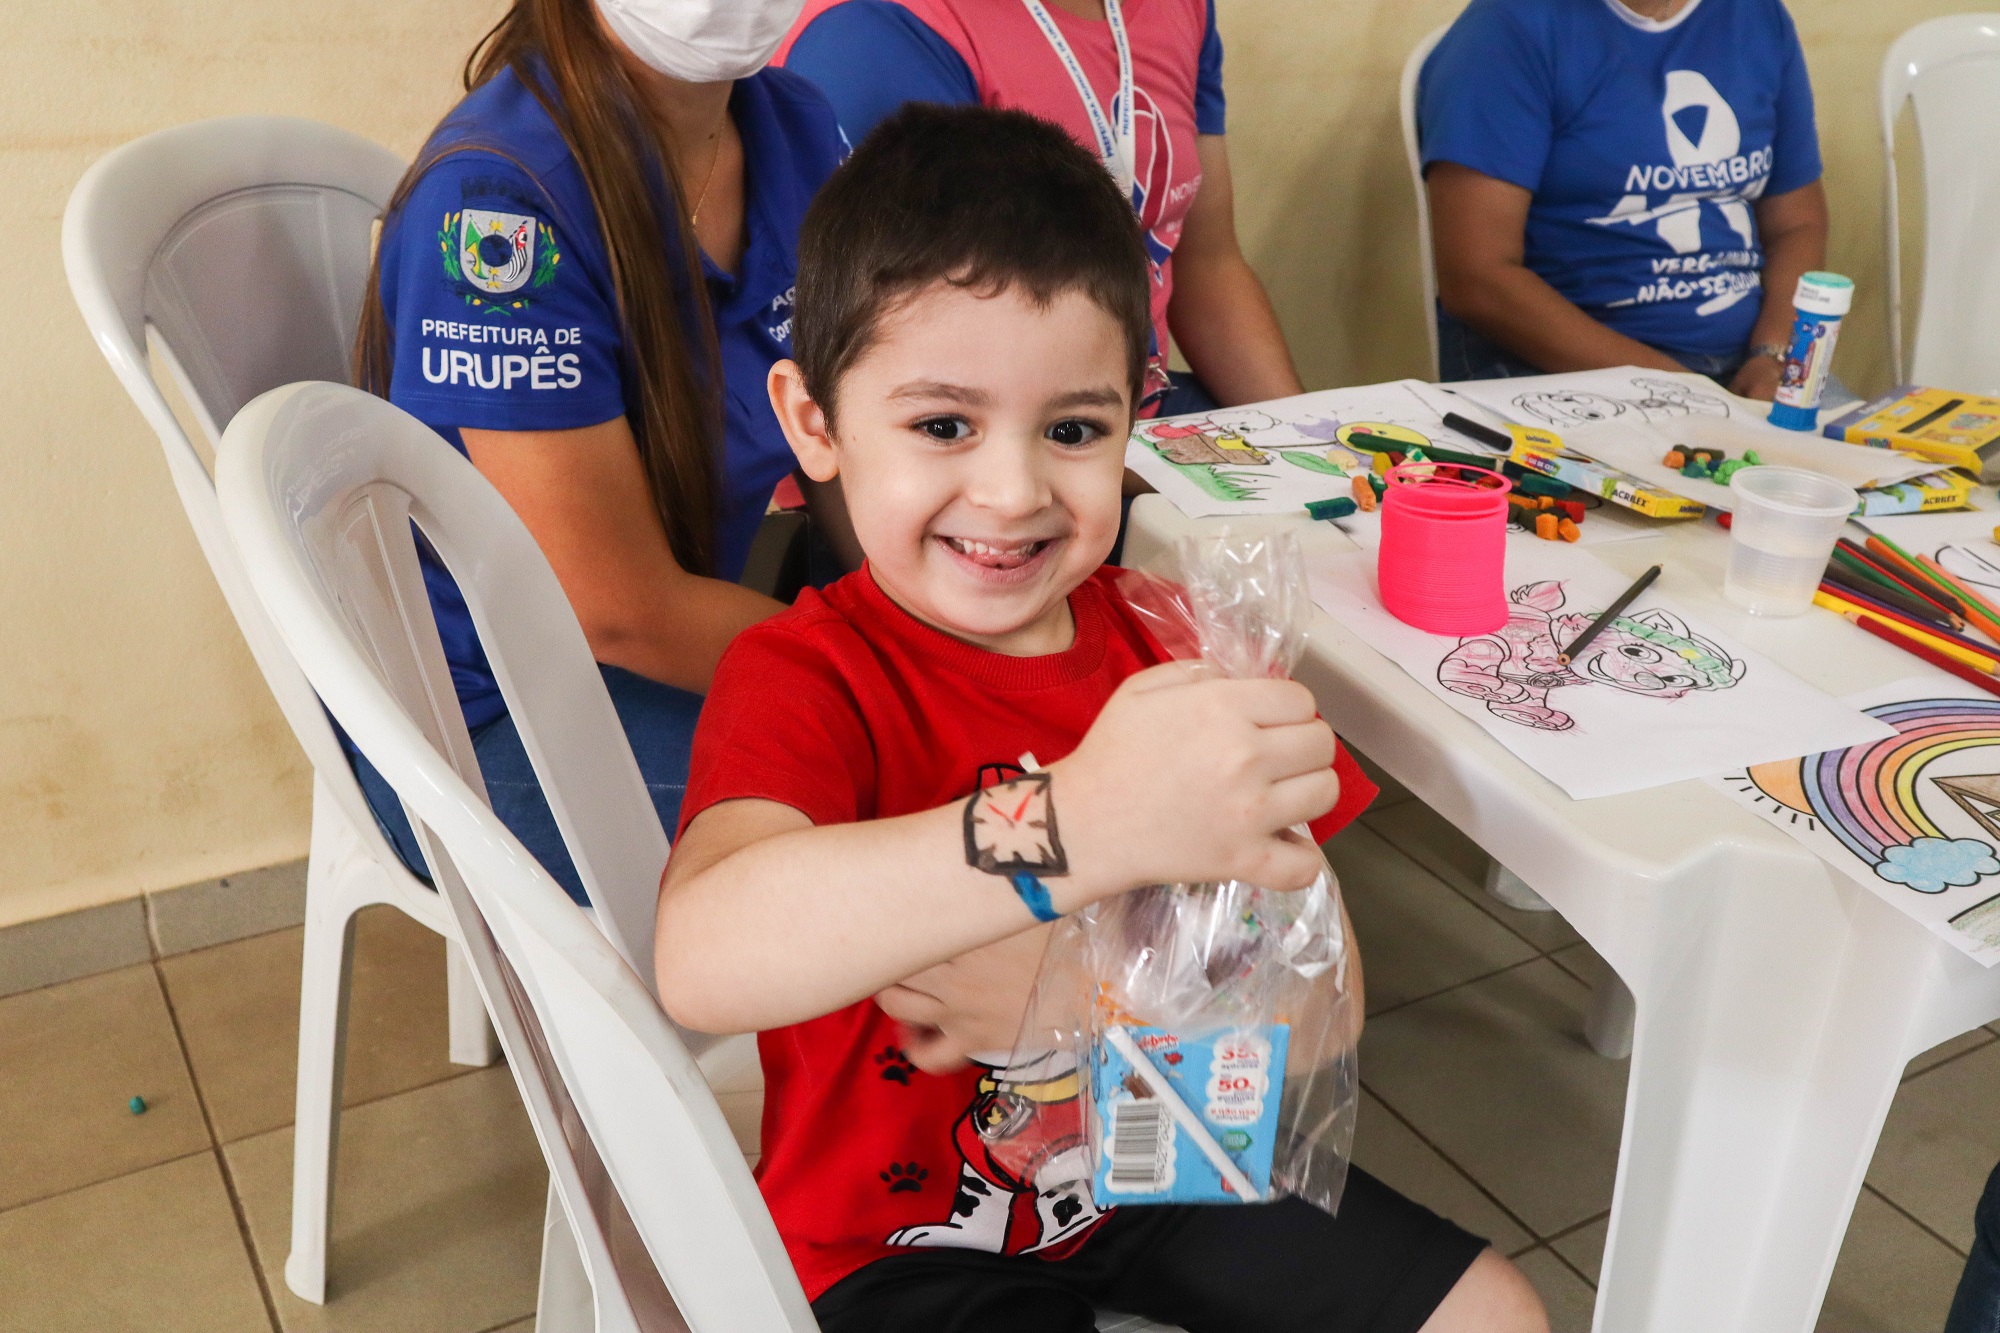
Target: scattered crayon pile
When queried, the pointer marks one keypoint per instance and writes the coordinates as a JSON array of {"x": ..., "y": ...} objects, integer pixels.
[
  {"x": 1709, "y": 464},
  {"x": 1548, "y": 518}
]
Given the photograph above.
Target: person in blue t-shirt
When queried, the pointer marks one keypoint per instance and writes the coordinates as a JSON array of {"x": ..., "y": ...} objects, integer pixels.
[
  {"x": 582, "y": 284},
  {"x": 1621, "y": 182}
]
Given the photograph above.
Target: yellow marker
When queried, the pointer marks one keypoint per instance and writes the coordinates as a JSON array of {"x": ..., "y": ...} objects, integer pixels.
[{"x": 1956, "y": 651}]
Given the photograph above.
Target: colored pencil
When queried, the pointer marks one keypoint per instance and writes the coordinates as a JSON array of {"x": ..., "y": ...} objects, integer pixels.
[
  {"x": 1605, "y": 617},
  {"x": 1908, "y": 567},
  {"x": 1882, "y": 610},
  {"x": 1906, "y": 602},
  {"x": 1928, "y": 593},
  {"x": 1975, "y": 602},
  {"x": 1978, "y": 661},
  {"x": 1921, "y": 587},
  {"x": 1938, "y": 660}
]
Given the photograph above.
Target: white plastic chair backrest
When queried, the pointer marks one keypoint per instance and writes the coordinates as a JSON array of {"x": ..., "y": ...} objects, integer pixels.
[
  {"x": 1949, "y": 68},
  {"x": 1406, "y": 103},
  {"x": 319, "y": 484},
  {"x": 241, "y": 246}
]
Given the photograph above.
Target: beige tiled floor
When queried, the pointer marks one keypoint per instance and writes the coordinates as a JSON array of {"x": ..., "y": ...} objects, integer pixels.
[{"x": 1480, "y": 1099}]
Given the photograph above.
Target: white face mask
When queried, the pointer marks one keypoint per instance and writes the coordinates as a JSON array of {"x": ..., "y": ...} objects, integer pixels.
[{"x": 701, "y": 41}]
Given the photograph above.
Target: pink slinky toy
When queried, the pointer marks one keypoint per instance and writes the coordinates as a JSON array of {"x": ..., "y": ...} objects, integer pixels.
[{"x": 1444, "y": 547}]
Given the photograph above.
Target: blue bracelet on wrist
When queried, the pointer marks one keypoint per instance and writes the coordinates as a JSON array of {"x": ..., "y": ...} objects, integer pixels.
[{"x": 1035, "y": 895}]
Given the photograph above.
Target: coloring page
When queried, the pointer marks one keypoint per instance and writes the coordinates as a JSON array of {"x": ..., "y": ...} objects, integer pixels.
[
  {"x": 1271, "y": 458},
  {"x": 1959, "y": 539},
  {"x": 1913, "y": 817},
  {"x": 1624, "y": 394},
  {"x": 1653, "y": 698}
]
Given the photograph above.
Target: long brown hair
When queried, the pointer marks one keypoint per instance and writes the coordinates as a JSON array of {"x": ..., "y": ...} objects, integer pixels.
[{"x": 563, "y": 58}]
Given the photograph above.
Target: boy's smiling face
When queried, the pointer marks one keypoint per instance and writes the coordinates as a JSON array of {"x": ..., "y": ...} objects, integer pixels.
[{"x": 980, "y": 444}]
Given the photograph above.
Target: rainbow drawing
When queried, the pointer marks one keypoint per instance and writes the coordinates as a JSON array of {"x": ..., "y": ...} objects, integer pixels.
[{"x": 1867, "y": 796}]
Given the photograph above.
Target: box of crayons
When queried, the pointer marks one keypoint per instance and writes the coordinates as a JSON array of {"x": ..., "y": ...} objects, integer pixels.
[
  {"x": 1948, "y": 489},
  {"x": 1544, "y": 452},
  {"x": 1957, "y": 429}
]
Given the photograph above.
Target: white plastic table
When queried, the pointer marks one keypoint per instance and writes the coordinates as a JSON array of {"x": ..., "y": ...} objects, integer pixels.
[{"x": 1777, "y": 1001}]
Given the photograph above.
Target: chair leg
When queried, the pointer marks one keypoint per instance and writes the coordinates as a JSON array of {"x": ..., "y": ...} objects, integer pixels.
[
  {"x": 1608, "y": 1026},
  {"x": 564, "y": 1303},
  {"x": 323, "y": 990},
  {"x": 473, "y": 1041}
]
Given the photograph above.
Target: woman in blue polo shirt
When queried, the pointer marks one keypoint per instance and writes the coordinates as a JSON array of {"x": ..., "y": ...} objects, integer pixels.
[
  {"x": 1621, "y": 182},
  {"x": 583, "y": 282}
]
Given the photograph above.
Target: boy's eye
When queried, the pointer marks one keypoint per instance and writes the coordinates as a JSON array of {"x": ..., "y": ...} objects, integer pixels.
[
  {"x": 945, "y": 428},
  {"x": 1074, "y": 433}
]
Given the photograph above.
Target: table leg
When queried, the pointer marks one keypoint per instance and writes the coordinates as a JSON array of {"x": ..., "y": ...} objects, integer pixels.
[{"x": 1775, "y": 1013}]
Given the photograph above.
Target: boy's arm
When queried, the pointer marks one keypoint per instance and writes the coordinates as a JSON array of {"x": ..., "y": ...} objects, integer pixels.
[{"x": 766, "y": 919}]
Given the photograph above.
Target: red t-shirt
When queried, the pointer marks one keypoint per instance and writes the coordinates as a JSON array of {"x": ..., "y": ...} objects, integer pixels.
[{"x": 847, "y": 708}]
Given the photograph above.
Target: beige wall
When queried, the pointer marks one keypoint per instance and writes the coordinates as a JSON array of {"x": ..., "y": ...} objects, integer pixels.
[{"x": 138, "y": 749}]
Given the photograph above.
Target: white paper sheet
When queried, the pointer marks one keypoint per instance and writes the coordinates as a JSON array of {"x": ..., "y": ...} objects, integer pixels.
[
  {"x": 1271, "y": 458},
  {"x": 1629, "y": 418},
  {"x": 1625, "y": 394},
  {"x": 1913, "y": 818},
  {"x": 1653, "y": 699}
]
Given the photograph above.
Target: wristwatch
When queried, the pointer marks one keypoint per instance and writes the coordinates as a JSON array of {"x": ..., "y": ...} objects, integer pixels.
[{"x": 1776, "y": 351}]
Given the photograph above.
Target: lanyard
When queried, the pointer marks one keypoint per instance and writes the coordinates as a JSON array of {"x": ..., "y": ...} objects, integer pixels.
[{"x": 1114, "y": 144}]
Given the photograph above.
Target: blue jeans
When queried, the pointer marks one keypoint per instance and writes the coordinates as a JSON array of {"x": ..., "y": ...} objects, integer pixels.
[
  {"x": 1464, "y": 353},
  {"x": 659, "y": 722},
  {"x": 1976, "y": 1307}
]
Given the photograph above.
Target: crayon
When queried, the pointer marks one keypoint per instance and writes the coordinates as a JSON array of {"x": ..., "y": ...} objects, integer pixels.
[
  {"x": 1568, "y": 530},
  {"x": 1483, "y": 434},
  {"x": 1675, "y": 459},
  {"x": 1548, "y": 527},
  {"x": 1338, "y": 507},
  {"x": 1364, "y": 494}
]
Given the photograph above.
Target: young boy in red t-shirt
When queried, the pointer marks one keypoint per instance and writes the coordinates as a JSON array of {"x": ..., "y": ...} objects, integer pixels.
[{"x": 893, "y": 782}]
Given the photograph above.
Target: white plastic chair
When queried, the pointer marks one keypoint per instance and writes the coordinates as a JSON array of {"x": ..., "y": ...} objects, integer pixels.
[
  {"x": 238, "y": 249},
  {"x": 1406, "y": 104},
  {"x": 1949, "y": 68},
  {"x": 319, "y": 487}
]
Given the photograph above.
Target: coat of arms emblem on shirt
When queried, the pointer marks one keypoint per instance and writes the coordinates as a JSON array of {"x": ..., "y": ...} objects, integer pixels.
[{"x": 497, "y": 254}]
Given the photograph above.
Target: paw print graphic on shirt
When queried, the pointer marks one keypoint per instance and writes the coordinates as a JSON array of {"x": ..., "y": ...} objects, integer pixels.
[
  {"x": 894, "y": 1065},
  {"x": 905, "y": 1177}
]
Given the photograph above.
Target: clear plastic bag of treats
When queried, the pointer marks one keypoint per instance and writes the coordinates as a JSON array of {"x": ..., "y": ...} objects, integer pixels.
[{"x": 1208, "y": 1027}]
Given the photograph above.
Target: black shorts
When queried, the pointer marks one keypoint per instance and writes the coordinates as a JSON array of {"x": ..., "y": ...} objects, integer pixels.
[{"x": 1382, "y": 1266}]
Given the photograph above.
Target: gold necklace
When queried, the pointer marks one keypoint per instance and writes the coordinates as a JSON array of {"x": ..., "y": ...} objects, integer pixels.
[{"x": 694, "y": 216}]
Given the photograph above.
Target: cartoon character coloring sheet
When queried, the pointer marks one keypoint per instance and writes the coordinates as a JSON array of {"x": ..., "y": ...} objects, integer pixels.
[
  {"x": 1655, "y": 698},
  {"x": 1625, "y": 394},
  {"x": 1914, "y": 817}
]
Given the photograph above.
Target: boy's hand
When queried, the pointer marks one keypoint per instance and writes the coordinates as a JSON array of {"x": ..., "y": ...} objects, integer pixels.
[
  {"x": 971, "y": 1003},
  {"x": 1189, "y": 777}
]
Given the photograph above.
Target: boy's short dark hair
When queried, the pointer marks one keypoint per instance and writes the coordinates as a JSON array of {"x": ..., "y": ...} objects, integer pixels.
[{"x": 976, "y": 197}]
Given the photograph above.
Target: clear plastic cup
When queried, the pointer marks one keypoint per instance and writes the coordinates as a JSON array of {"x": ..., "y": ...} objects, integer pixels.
[{"x": 1781, "y": 535}]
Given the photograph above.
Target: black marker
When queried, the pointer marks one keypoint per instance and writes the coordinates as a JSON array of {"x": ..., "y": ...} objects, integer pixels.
[
  {"x": 1484, "y": 434},
  {"x": 1606, "y": 616}
]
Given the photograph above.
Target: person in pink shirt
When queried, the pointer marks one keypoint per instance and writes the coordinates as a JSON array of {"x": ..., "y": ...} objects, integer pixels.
[{"x": 1072, "y": 62}]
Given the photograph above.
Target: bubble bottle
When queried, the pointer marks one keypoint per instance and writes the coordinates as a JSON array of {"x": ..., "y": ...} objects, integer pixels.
[{"x": 1822, "y": 300}]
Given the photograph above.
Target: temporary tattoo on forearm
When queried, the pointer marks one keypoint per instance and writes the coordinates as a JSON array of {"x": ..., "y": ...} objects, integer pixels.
[{"x": 1011, "y": 828}]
